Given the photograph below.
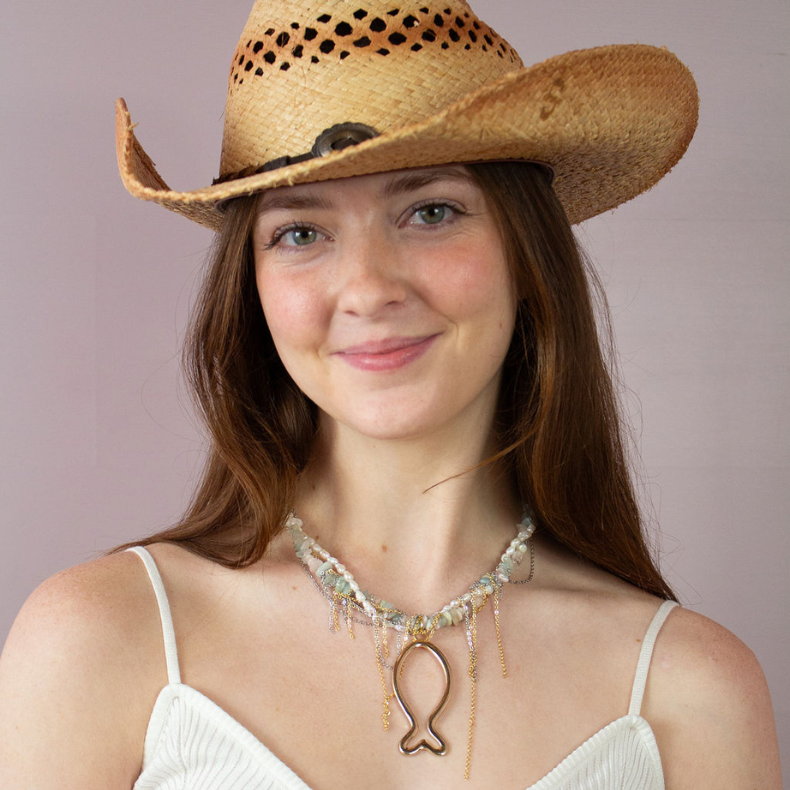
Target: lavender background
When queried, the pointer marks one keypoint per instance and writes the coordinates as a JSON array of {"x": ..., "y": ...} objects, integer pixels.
[{"x": 98, "y": 440}]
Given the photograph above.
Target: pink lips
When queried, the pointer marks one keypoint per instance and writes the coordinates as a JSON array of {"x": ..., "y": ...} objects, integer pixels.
[{"x": 389, "y": 354}]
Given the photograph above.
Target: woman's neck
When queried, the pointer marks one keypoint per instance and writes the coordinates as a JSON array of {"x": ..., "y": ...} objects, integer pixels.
[{"x": 413, "y": 519}]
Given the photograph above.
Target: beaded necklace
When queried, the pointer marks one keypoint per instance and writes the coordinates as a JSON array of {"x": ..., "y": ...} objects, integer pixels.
[{"x": 414, "y": 632}]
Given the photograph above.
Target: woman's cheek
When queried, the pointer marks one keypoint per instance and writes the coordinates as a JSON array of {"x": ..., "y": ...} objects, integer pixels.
[
  {"x": 293, "y": 309},
  {"x": 474, "y": 280}
]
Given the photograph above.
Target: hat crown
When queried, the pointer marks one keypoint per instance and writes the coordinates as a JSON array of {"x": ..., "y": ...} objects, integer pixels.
[{"x": 301, "y": 69}]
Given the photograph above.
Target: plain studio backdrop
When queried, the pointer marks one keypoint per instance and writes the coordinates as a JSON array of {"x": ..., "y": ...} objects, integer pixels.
[{"x": 99, "y": 442}]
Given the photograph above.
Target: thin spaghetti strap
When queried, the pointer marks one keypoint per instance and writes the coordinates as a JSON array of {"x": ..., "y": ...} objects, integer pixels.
[
  {"x": 643, "y": 666},
  {"x": 168, "y": 632}
]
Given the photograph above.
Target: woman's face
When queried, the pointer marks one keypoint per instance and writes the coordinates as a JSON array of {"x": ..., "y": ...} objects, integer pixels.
[{"x": 388, "y": 298}]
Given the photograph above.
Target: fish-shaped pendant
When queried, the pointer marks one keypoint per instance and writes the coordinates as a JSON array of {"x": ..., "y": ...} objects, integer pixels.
[{"x": 404, "y": 747}]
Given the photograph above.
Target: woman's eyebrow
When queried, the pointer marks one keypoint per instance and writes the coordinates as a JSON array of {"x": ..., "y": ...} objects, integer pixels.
[
  {"x": 408, "y": 182},
  {"x": 398, "y": 185},
  {"x": 272, "y": 201}
]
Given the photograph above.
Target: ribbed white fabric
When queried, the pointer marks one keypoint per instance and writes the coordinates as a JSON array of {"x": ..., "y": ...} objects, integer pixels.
[{"x": 192, "y": 744}]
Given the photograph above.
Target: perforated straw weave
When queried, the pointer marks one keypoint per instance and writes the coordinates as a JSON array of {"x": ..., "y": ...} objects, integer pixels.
[{"x": 324, "y": 89}]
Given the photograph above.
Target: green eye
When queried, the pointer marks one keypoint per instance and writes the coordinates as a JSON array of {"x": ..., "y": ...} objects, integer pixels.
[
  {"x": 433, "y": 215},
  {"x": 301, "y": 237}
]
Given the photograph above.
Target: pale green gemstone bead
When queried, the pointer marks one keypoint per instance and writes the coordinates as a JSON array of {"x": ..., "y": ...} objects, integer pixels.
[
  {"x": 330, "y": 578},
  {"x": 327, "y": 566},
  {"x": 456, "y": 614},
  {"x": 444, "y": 620},
  {"x": 342, "y": 586}
]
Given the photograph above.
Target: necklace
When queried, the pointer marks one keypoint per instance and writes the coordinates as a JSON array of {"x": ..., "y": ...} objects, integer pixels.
[{"x": 414, "y": 632}]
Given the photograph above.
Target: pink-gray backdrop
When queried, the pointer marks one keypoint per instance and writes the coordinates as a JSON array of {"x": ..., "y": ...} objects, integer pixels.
[{"x": 98, "y": 441}]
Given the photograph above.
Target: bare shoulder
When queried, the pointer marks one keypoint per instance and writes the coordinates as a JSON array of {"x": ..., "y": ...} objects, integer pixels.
[
  {"x": 706, "y": 698},
  {"x": 84, "y": 610},
  {"x": 78, "y": 676},
  {"x": 708, "y": 703}
]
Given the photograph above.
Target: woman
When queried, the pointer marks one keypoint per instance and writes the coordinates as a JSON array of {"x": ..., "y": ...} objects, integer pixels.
[{"x": 396, "y": 344}]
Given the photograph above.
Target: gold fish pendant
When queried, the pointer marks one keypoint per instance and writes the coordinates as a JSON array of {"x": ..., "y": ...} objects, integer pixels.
[{"x": 442, "y": 747}]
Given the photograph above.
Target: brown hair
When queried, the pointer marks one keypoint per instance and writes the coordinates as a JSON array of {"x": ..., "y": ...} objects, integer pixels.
[{"x": 558, "y": 424}]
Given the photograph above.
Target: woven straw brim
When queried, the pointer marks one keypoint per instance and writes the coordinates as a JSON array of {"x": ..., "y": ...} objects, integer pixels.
[{"x": 611, "y": 122}]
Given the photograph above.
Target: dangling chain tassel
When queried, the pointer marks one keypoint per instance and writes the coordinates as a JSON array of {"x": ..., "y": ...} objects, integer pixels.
[
  {"x": 334, "y": 624},
  {"x": 498, "y": 632},
  {"x": 471, "y": 638},
  {"x": 379, "y": 636},
  {"x": 349, "y": 626}
]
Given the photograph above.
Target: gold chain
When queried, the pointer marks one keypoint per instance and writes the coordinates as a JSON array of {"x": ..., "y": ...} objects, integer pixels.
[
  {"x": 380, "y": 629},
  {"x": 499, "y": 633},
  {"x": 349, "y": 624},
  {"x": 472, "y": 636},
  {"x": 335, "y": 621}
]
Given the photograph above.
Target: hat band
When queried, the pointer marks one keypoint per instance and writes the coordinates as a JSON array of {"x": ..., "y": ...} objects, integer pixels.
[{"x": 336, "y": 138}]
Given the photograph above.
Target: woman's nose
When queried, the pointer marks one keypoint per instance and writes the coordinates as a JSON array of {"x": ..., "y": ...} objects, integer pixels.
[{"x": 370, "y": 278}]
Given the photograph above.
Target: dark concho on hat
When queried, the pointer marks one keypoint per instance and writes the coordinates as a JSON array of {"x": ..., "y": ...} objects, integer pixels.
[{"x": 324, "y": 89}]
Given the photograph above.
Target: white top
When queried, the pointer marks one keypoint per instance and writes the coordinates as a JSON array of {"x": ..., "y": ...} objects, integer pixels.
[{"x": 192, "y": 744}]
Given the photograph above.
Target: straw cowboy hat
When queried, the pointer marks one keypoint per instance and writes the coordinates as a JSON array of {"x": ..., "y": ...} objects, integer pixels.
[{"x": 323, "y": 89}]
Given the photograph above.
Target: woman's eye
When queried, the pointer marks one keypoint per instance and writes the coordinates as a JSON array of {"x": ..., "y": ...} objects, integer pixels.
[
  {"x": 299, "y": 237},
  {"x": 433, "y": 214},
  {"x": 294, "y": 236}
]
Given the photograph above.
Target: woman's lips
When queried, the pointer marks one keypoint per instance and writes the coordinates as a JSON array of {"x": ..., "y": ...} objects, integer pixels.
[{"x": 388, "y": 354}]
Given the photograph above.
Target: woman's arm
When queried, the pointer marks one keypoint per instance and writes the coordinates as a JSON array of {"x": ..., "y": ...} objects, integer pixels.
[
  {"x": 78, "y": 678},
  {"x": 710, "y": 709}
]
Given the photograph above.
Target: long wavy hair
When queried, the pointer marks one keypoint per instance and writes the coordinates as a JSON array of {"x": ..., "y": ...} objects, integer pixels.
[{"x": 558, "y": 424}]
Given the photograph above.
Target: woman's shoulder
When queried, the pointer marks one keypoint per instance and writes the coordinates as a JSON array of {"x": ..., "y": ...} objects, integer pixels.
[
  {"x": 83, "y": 606},
  {"x": 705, "y": 665},
  {"x": 108, "y": 603},
  {"x": 79, "y": 673},
  {"x": 709, "y": 706},
  {"x": 706, "y": 697},
  {"x": 698, "y": 668}
]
